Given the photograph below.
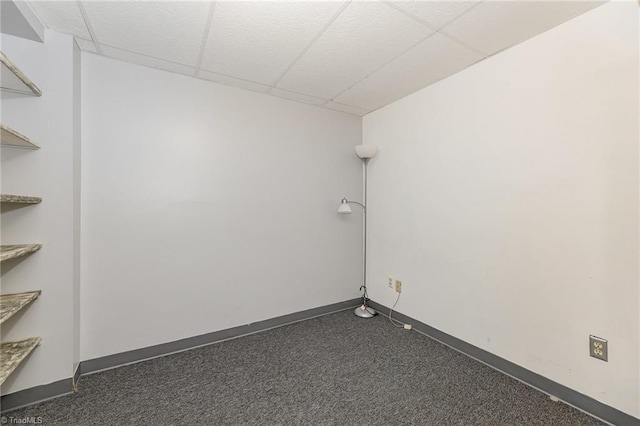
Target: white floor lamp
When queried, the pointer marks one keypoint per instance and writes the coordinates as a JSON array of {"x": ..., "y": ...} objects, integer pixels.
[{"x": 365, "y": 153}]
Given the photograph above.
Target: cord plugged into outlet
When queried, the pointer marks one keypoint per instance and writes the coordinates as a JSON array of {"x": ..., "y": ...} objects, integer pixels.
[{"x": 395, "y": 322}]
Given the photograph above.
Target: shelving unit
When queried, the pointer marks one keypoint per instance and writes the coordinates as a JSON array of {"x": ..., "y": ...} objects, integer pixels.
[
  {"x": 12, "y": 303},
  {"x": 19, "y": 199},
  {"x": 13, "y": 353},
  {"x": 11, "y": 138},
  {"x": 14, "y": 81},
  {"x": 17, "y": 250}
]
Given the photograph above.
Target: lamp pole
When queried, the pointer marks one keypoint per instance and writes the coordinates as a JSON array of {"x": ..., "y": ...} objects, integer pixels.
[{"x": 365, "y": 163}]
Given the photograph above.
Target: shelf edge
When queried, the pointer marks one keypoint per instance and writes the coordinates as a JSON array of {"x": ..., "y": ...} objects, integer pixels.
[
  {"x": 23, "y": 303},
  {"x": 28, "y": 143},
  {"x": 19, "y": 199},
  {"x": 9, "y": 366},
  {"x": 19, "y": 251},
  {"x": 18, "y": 73}
]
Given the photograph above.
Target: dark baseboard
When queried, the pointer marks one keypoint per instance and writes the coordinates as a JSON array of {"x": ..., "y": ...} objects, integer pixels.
[
  {"x": 116, "y": 360},
  {"x": 568, "y": 395},
  {"x": 41, "y": 393},
  {"x": 36, "y": 394},
  {"x": 64, "y": 387}
]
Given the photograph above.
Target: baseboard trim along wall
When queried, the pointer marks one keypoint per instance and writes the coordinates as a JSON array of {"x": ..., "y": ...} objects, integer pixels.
[
  {"x": 563, "y": 393},
  {"x": 41, "y": 393},
  {"x": 137, "y": 355},
  {"x": 36, "y": 394}
]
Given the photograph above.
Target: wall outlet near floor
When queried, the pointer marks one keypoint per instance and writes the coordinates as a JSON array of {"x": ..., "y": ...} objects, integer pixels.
[
  {"x": 398, "y": 286},
  {"x": 390, "y": 284},
  {"x": 598, "y": 348}
]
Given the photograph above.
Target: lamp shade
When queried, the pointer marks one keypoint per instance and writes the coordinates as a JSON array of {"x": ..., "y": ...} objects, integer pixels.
[
  {"x": 344, "y": 208},
  {"x": 366, "y": 151}
]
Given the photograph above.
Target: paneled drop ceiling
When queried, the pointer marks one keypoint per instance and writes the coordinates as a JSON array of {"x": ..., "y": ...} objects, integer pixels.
[{"x": 353, "y": 56}]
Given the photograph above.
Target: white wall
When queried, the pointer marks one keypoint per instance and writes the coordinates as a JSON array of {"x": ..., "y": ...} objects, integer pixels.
[
  {"x": 47, "y": 172},
  {"x": 206, "y": 207},
  {"x": 506, "y": 198}
]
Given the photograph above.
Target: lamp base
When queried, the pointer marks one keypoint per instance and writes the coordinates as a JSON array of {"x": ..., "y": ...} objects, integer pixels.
[{"x": 363, "y": 311}]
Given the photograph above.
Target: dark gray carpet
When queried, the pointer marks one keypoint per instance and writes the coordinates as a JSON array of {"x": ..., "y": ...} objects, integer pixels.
[{"x": 333, "y": 370}]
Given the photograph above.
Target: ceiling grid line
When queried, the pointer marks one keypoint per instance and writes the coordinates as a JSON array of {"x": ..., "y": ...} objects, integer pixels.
[
  {"x": 144, "y": 55},
  {"x": 234, "y": 77},
  {"x": 311, "y": 43},
  {"x": 387, "y": 3},
  {"x": 442, "y": 27},
  {"x": 382, "y": 66},
  {"x": 409, "y": 14},
  {"x": 343, "y": 104},
  {"x": 205, "y": 37},
  {"x": 83, "y": 12},
  {"x": 478, "y": 2},
  {"x": 352, "y": 56},
  {"x": 444, "y": 33},
  {"x": 491, "y": 54},
  {"x": 180, "y": 63}
]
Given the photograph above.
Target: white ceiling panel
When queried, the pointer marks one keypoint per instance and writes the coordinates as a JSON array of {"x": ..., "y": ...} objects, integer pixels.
[
  {"x": 435, "y": 13},
  {"x": 430, "y": 61},
  {"x": 165, "y": 30},
  {"x": 364, "y": 37},
  {"x": 231, "y": 81},
  {"x": 296, "y": 96},
  {"x": 351, "y": 56},
  {"x": 258, "y": 40},
  {"x": 86, "y": 45},
  {"x": 495, "y": 25},
  {"x": 346, "y": 108},
  {"x": 61, "y": 16},
  {"x": 147, "y": 61}
]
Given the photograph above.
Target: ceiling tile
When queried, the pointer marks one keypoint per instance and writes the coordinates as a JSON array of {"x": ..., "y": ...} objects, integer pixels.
[
  {"x": 373, "y": 53},
  {"x": 147, "y": 61},
  {"x": 435, "y": 13},
  {"x": 86, "y": 45},
  {"x": 364, "y": 37},
  {"x": 494, "y": 26},
  {"x": 231, "y": 81},
  {"x": 430, "y": 61},
  {"x": 165, "y": 30},
  {"x": 346, "y": 108},
  {"x": 61, "y": 16},
  {"x": 258, "y": 40},
  {"x": 297, "y": 97}
]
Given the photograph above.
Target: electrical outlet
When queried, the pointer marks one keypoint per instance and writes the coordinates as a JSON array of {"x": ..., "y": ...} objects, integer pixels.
[
  {"x": 598, "y": 348},
  {"x": 390, "y": 284},
  {"x": 398, "y": 286}
]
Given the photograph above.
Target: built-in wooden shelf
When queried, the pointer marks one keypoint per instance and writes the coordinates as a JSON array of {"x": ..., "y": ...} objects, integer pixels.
[
  {"x": 9, "y": 137},
  {"x": 10, "y": 252},
  {"x": 13, "y": 353},
  {"x": 12, "y": 303},
  {"x": 13, "y": 80},
  {"x": 19, "y": 199}
]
